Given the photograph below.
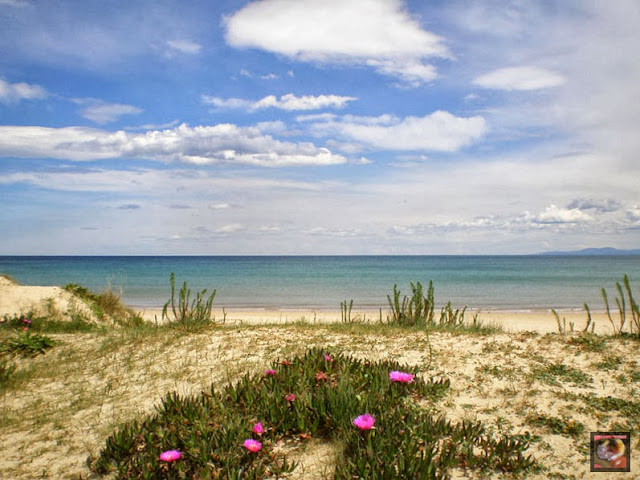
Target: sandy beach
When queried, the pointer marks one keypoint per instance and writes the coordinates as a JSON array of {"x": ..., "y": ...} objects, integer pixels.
[
  {"x": 15, "y": 299},
  {"x": 68, "y": 401},
  {"x": 541, "y": 321}
]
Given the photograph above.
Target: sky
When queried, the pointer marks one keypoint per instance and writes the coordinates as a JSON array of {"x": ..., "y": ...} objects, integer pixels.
[{"x": 299, "y": 127}]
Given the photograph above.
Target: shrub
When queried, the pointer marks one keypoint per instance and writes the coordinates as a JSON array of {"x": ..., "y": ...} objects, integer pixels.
[
  {"x": 185, "y": 314},
  {"x": 314, "y": 396}
]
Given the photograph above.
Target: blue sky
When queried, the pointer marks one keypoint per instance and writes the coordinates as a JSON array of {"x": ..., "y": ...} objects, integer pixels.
[{"x": 318, "y": 126}]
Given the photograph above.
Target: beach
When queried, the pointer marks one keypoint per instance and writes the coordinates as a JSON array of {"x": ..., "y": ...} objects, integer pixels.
[{"x": 70, "y": 399}]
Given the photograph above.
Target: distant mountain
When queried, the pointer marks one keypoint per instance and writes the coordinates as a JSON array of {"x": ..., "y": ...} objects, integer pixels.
[{"x": 596, "y": 251}]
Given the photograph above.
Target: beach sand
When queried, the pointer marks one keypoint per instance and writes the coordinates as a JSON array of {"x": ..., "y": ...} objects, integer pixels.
[
  {"x": 541, "y": 321},
  {"x": 73, "y": 397}
]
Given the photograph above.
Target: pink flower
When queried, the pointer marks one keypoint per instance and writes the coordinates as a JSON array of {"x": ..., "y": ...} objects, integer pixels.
[
  {"x": 321, "y": 376},
  {"x": 170, "y": 456},
  {"x": 26, "y": 320},
  {"x": 327, "y": 357},
  {"x": 26, "y": 329},
  {"x": 258, "y": 428},
  {"x": 252, "y": 445},
  {"x": 402, "y": 377},
  {"x": 364, "y": 422},
  {"x": 269, "y": 372},
  {"x": 290, "y": 397}
]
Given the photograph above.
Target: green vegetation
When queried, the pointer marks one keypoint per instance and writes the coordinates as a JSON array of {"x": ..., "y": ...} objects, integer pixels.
[
  {"x": 417, "y": 310},
  {"x": 589, "y": 342},
  {"x": 26, "y": 344},
  {"x": 188, "y": 315},
  {"x": 44, "y": 324},
  {"x": 552, "y": 373},
  {"x": 345, "y": 311},
  {"x": 318, "y": 395},
  {"x": 556, "y": 425},
  {"x": 622, "y": 302}
]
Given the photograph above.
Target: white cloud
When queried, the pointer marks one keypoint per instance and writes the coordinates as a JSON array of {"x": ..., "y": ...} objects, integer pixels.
[
  {"x": 184, "y": 46},
  {"x": 520, "y": 78},
  {"x": 14, "y": 92},
  {"x": 285, "y": 102},
  {"x": 379, "y": 33},
  {"x": 223, "y": 143},
  {"x": 306, "y": 102},
  {"x": 555, "y": 214},
  {"x": 15, "y": 3},
  {"x": 439, "y": 131},
  {"x": 227, "y": 103},
  {"x": 102, "y": 112},
  {"x": 219, "y": 206}
]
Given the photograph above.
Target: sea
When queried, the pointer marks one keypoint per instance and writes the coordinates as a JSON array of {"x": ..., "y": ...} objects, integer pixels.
[{"x": 509, "y": 283}]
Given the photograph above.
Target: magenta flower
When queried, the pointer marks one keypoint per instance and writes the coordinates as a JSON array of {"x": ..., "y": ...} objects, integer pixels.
[
  {"x": 26, "y": 320},
  {"x": 258, "y": 428},
  {"x": 364, "y": 422},
  {"x": 290, "y": 397},
  {"x": 170, "y": 456},
  {"x": 402, "y": 377},
  {"x": 327, "y": 357},
  {"x": 252, "y": 445},
  {"x": 269, "y": 372}
]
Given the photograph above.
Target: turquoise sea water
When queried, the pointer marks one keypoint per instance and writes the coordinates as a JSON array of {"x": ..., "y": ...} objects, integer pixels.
[{"x": 322, "y": 282}]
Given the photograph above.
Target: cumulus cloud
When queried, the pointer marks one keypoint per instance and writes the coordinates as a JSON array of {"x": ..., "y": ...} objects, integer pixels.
[
  {"x": 223, "y": 143},
  {"x": 14, "y": 92},
  {"x": 439, "y": 131},
  {"x": 184, "y": 46},
  {"x": 285, "y": 102},
  {"x": 378, "y": 33},
  {"x": 519, "y": 78}
]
